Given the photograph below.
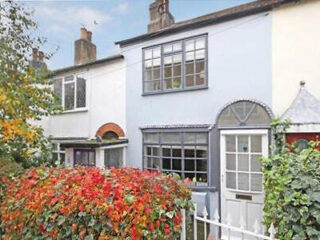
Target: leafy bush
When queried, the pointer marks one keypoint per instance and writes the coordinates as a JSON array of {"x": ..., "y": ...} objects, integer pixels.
[
  {"x": 87, "y": 203},
  {"x": 9, "y": 169},
  {"x": 292, "y": 186}
]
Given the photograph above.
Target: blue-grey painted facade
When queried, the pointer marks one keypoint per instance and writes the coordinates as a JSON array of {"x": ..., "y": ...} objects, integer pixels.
[{"x": 239, "y": 66}]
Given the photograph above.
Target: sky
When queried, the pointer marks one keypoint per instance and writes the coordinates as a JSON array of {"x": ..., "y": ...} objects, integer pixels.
[{"x": 60, "y": 22}]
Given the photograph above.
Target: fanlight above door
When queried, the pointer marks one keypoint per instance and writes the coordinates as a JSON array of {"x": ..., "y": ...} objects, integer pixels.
[{"x": 244, "y": 113}]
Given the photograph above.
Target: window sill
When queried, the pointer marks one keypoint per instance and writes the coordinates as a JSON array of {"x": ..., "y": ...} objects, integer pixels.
[
  {"x": 73, "y": 111},
  {"x": 174, "y": 91},
  {"x": 203, "y": 189}
]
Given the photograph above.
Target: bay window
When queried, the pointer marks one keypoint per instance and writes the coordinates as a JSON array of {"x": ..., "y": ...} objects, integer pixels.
[
  {"x": 71, "y": 92},
  {"x": 182, "y": 153},
  {"x": 180, "y": 65}
]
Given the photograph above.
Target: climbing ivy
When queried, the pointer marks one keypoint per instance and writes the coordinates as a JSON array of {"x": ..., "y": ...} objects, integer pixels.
[{"x": 292, "y": 188}]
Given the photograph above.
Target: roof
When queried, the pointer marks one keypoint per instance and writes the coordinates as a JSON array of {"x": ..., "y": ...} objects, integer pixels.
[
  {"x": 212, "y": 18},
  {"x": 305, "y": 109},
  {"x": 75, "y": 67},
  {"x": 92, "y": 143}
]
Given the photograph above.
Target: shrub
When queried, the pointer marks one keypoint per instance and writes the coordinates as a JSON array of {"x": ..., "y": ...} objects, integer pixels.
[
  {"x": 292, "y": 186},
  {"x": 88, "y": 203}
]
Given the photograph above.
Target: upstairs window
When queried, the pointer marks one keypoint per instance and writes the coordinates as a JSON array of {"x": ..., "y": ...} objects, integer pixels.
[
  {"x": 175, "y": 66},
  {"x": 71, "y": 92}
]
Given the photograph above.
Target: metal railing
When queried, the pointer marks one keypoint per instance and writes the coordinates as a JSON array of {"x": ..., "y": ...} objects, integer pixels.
[{"x": 225, "y": 230}]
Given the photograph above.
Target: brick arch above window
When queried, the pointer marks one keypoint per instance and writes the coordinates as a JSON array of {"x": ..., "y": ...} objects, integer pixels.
[{"x": 110, "y": 127}]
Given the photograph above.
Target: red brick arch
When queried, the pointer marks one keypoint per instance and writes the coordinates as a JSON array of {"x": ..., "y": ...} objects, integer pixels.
[{"x": 110, "y": 127}]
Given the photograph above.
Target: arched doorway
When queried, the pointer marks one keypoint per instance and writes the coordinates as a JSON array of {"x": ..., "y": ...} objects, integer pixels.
[{"x": 244, "y": 127}]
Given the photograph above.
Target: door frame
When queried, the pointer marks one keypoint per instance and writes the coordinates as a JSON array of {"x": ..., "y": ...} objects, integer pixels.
[{"x": 265, "y": 152}]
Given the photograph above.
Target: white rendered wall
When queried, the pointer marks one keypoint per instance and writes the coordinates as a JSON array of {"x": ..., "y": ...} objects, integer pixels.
[
  {"x": 295, "y": 52},
  {"x": 105, "y": 100}
]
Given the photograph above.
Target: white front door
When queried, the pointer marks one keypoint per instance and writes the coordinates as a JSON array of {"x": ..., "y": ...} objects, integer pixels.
[{"x": 242, "y": 194}]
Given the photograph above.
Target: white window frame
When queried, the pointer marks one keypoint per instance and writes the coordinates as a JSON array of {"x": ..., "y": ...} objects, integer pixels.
[
  {"x": 58, "y": 151},
  {"x": 64, "y": 82}
]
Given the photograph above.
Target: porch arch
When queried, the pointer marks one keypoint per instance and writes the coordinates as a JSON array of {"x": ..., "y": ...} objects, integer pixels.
[{"x": 111, "y": 129}]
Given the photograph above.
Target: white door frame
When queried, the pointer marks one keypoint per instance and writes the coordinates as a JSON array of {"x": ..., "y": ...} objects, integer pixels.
[{"x": 224, "y": 190}]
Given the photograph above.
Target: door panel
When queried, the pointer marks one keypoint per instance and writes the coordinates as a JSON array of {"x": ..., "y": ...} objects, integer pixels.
[{"x": 242, "y": 193}]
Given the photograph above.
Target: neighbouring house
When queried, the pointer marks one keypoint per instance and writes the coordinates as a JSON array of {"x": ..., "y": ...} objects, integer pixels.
[
  {"x": 91, "y": 129},
  {"x": 295, "y": 59},
  {"x": 201, "y": 94}
]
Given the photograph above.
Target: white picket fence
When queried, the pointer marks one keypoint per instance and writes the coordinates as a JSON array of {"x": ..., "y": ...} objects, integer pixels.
[{"x": 226, "y": 228}]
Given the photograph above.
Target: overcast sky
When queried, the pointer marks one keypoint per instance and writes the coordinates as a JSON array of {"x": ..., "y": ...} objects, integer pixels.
[{"x": 60, "y": 22}]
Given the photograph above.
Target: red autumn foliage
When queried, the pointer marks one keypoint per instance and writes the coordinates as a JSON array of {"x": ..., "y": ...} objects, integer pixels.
[{"x": 93, "y": 204}]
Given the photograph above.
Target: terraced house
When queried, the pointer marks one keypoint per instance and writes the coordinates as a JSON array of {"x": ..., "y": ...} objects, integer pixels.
[
  {"x": 196, "y": 98},
  {"x": 200, "y": 100}
]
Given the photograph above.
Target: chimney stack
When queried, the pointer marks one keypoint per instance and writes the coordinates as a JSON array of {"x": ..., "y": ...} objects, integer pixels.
[
  {"x": 160, "y": 16},
  {"x": 84, "y": 50}
]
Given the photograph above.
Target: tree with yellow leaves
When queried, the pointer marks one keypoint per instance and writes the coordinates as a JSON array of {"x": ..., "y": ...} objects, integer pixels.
[{"x": 25, "y": 95}]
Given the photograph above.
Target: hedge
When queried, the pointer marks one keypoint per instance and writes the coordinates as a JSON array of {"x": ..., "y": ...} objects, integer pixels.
[
  {"x": 292, "y": 189},
  {"x": 88, "y": 203}
]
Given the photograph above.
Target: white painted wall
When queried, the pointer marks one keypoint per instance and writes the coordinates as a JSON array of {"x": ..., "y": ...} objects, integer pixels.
[
  {"x": 239, "y": 66},
  {"x": 295, "y": 52},
  {"x": 105, "y": 103}
]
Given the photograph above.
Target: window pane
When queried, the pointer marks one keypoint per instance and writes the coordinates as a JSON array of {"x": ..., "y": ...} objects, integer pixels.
[
  {"x": 177, "y": 70},
  {"x": 156, "y": 163},
  {"x": 231, "y": 143},
  {"x": 151, "y": 137},
  {"x": 200, "y": 80},
  {"x": 57, "y": 89},
  {"x": 189, "y": 165},
  {"x": 243, "y": 144},
  {"x": 171, "y": 137},
  {"x": 156, "y": 74},
  {"x": 231, "y": 180},
  {"x": 256, "y": 144},
  {"x": 166, "y": 151},
  {"x": 168, "y": 84},
  {"x": 168, "y": 72},
  {"x": 148, "y": 54},
  {"x": 148, "y": 74},
  {"x": 200, "y": 43},
  {"x": 69, "y": 96},
  {"x": 201, "y": 152},
  {"x": 176, "y": 83},
  {"x": 202, "y": 165},
  {"x": 166, "y": 163},
  {"x": 256, "y": 182},
  {"x": 190, "y": 81},
  {"x": 243, "y": 162},
  {"x": 231, "y": 161},
  {"x": 113, "y": 157},
  {"x": 191, "y": 176},
  {"x": 176, "y": 152},
  {"x": 156, "y": 151},
  {"x": 190, "y": 137},
  {"x": 255, "y": 163},
  {"x": 189, "y": 152},
  {"x": 81, "y": 92},
  {"x": 176, "y": 164},
  {"x": 201, "y": 137},
  {"x": 200, "y": 55},
  {"x": 243, "y": 181},
  {"x": 202, "y": 178},
  {"x": 177, "y": 46},
  {"x": 190, "y": 57},
  {"x": 199, "y": 67},
  {"x": 156, "y": 52},
  {"x": 148, "y": 64},
  {"x": 167, "y": 48},
  {"x": 190, "y": 68},
  {"x": 156, "y": 62},
  {"x": 62, "y": 157},
  {"x": 190, "y": 45}
]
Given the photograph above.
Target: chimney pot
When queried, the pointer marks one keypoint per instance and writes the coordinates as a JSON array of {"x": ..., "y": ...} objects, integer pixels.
[
  {"x": 34, "y": 54},
  {"x": 41, "y": 56},
  {"x": 83, "y": 33},
  {"x": 89, "y": 35}
]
